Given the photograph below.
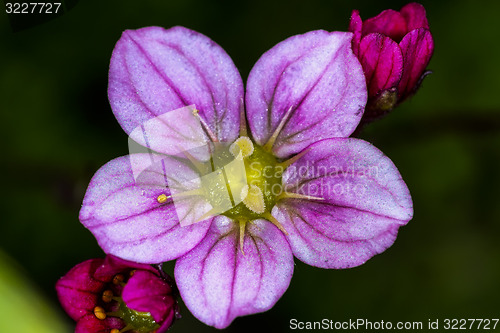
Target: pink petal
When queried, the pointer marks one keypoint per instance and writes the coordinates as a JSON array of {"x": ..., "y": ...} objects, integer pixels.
[
  {"x": 147, "y": 292},
  {"x": 113, "y": 265},
  {"x": 415, "y": 16},
  {"x": 218, "y": 283},
  {"x": 365, "y": 202},
  {"x": 417, "y": 48},
  {"x": 382, "y": 62},
  {"x": 154, "y": 71},
  {"x": 90, "y": 324},
  {"x": 356, "y": 26},
  {"x": 315, "y": 77},
  {"x": 78, "y": 291},
  {"x": 389, "y": 22},
  {"x": 128, "y": 221}
]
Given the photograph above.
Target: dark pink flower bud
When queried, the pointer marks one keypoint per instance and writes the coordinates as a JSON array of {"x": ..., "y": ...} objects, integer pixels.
[
  {"x": 394, "y": 49},
  {"x": 113, "y": 295}
]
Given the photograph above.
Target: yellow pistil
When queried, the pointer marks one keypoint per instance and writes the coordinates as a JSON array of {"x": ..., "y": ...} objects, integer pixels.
[
  {"x": 254, "y": 200},
  {"x": 99, "y": 313},
  {"x": 244, "y": 145}
]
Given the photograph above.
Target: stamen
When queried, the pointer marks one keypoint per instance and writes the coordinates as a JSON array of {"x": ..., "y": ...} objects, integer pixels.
[
  {"x": 205, "y": 126},
  {"x": 190, "y": 193},
  {"x": 211, "y": 212},
  {"x": 269, "y": 144},
  {"x": 132, "y": 272},
  {"x": 242, "y": 235},
  {"x": 118, "y": 279},
  {"x": 114, "y": 330},
  {"x": 287, "y": 163},
  {"x": 242, "y": 144},
  {"x": 271, "y": 219},
  {"x": 99, "y": 313},
  {"x": 292, "y": 195},
  {"x": 197, "y": 164},
  {"x": 255, "y": 200},
  {"x": 107, "y": 296},
  {"x": 162, "y": 198}
]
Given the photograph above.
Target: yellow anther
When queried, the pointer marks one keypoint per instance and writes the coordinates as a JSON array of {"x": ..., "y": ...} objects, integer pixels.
[
  {"x": 114, "y": 330},
  {"x": 118, "y": 279},
  {"x": 99, "y": 313},
  {"x": 132, "y": 272},
  {"x": 244, "y": 192},
  {"x": 254, "y": 200},
  {"x": 242, "y": 144},
  {"x": 107, "y": 296},
  {"x": 162, "y": 198}
]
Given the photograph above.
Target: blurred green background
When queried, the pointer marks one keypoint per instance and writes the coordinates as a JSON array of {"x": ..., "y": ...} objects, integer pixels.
[{"x": 58, "y": 129}]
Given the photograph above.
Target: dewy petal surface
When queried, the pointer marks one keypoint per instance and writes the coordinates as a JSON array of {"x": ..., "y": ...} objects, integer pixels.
[
  {"x": 154, "y": 71},
  {"x": 315, "y": 76},
  {"x": 218, "y": 283},
  {"x": 417, "y": 48},
  {"x": 389, "y": 22},
  {"x": 382, "y": 62},
  {"x": 365, "y": 202},
  {"x": 415, "y": 16},
  {"x": 127, "y": 220}
]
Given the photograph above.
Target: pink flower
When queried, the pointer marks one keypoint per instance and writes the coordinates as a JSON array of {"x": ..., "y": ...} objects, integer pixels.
[
  {"x": 394, "y": 49},
  {"x": 108, "y": 295},
  {"x": 310, "y": 191}
]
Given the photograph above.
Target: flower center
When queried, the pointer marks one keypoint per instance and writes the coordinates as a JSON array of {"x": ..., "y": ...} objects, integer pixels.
[
  {"x": 263, "y": 181},
  {"x": 245, "y": 183},
  {"x": 114, "y": 306}
]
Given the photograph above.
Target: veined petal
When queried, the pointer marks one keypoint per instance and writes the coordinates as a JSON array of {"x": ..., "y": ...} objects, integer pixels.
[
  {"x": 382, "y": 62},
  {"x": 415, "y": 16},
  {"x": 129, "y": 221},
  {"x": 218, "y": 283},
  {"x": 389, "y": 22},
  {"x": 417, "y": 48},
  {"x": 147, "y": 292},
  {"x": 78, "y": 290},
  {"x": 316, "y": 81},
  {"x": 365, "y": 202},
  {"x": 154, "y": 71}
]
